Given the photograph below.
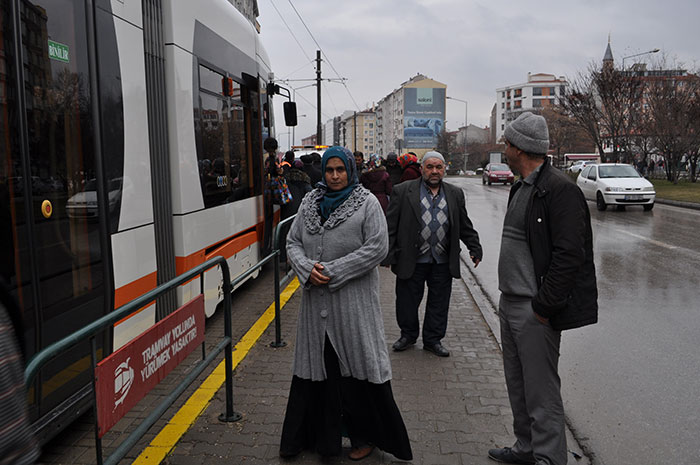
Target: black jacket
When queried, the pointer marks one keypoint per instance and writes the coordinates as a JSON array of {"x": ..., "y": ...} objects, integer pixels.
[
  {"x": 404, "y": 225},
  {"x": 561, "y": 242}
]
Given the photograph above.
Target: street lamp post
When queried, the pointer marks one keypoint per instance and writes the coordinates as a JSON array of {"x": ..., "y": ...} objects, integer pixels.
[
  {"x": 466, "y": 128},
  {"x": 293, "y": 138},
  {"x": 656, "y": 50}
]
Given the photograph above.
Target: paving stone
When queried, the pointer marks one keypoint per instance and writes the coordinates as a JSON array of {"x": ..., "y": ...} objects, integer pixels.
[{"x": 455, "y": 408}]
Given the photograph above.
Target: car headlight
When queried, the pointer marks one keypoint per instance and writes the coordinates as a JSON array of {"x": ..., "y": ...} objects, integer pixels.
[
  {"x": 614, "y": 189},
  {"x": 649, "y": 189}
]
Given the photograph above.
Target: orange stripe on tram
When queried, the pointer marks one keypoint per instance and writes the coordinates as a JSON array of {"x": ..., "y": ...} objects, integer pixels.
[{"x": 146, "y": 283}]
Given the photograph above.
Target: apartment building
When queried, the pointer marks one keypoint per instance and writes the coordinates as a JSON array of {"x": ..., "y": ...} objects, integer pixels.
[
  {"x": 540, "y": 91},
  {"x": 411, "y": 117},
  {"x": 357, "y": 131}
]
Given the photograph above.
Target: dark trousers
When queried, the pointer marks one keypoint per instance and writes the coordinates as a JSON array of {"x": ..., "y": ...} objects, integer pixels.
[{"x": 409, "y": 293}]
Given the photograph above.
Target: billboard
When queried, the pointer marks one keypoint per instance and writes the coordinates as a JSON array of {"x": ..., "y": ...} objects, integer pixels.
[{"x": 423, "y": 116}]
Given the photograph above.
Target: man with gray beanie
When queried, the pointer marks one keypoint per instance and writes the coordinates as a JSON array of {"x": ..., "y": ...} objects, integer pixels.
[
  {"x": 547, "y": 281},
  {"x": 426, "y": 220}
]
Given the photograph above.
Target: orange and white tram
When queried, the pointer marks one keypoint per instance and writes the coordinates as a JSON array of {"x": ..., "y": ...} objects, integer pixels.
[{"x": 131, "y": 150}]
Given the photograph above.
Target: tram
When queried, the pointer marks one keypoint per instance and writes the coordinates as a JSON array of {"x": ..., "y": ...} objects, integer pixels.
[{"x": 131, "y": 151}]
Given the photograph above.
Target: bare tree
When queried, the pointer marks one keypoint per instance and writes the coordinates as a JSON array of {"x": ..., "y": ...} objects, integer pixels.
[
  {"x": 603, "y": 103},
  {"x": 673, "y": 105},
  {"x": 565, "y": 135},
  {"x": 580, "y": 104}
]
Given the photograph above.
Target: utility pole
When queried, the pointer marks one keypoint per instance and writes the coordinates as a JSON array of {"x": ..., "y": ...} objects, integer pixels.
[{"x": 318, "y": 97}]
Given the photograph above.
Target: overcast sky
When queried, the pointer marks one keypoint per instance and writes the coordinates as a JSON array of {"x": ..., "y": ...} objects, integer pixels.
[{"x": 474, "y": 47}]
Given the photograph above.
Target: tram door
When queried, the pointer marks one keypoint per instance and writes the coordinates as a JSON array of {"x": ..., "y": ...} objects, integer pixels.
[{"x": 51, "y": 249}]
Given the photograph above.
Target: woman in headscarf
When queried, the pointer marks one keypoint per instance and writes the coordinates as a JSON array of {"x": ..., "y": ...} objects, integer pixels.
[
  {"x": 341, "y": 363},
  {"x": 410, "y": 166},
  {"x": 376, "y": 179}
]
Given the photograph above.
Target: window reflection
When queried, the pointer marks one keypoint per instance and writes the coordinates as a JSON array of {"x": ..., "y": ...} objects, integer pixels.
[{"x": 222, "y": 150}]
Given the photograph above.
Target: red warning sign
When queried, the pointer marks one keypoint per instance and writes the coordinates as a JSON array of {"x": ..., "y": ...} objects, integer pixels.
[{"x": 128, "y": 374}]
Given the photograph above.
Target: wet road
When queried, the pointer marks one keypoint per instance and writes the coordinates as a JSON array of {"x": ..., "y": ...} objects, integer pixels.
[{"x": 631, "y": 383}]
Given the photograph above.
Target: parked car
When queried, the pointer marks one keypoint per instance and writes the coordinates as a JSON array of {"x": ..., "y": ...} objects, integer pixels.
[
  {"x": 497, "y": 172},
  {"x": 616, "y": 184},
  {"x": 578, "y": 165}
]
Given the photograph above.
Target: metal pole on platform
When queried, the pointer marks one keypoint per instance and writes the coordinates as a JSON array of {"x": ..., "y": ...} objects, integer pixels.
[
  {"x": 93, "y": 364},
  {"x": 229, "y": 415},
  {"x": 278, "y": 342}
]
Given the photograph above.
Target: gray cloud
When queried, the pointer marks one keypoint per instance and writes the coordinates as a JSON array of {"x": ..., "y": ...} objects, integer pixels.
[{"x": 473, "y": 47}]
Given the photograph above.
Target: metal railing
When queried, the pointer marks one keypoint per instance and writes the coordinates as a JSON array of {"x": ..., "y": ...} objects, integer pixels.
[{"x": 225, "y": 345}]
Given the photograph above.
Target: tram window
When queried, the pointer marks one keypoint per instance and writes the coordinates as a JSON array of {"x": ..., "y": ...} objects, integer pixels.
[
  {"x": 222, "y": 151},
  {"x": 216, "y": 83}
]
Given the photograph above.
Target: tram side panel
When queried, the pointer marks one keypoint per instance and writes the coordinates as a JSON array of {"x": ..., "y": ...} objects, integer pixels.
[
  {"x": 215, "y": 172},
  {"x": 133, "y": 236}
]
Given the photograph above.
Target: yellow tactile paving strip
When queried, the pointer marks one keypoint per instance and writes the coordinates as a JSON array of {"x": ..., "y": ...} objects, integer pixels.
[{"x": 171, "y": 433}]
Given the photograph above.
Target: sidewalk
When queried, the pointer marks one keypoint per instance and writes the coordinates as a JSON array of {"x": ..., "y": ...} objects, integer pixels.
[{"x": 455, "y": 408}]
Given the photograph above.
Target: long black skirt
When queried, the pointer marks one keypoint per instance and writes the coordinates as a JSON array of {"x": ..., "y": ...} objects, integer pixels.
[{"x": 319, "y": 412}]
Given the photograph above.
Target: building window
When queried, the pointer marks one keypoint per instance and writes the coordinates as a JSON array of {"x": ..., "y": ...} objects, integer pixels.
[
  {"x": 536, "y": 103},
  {"x": 518, "y": 93},
  {"x": 503, "y": 126},
  {"x": 503, "y": 105},
  {"x": 552, "y": 91},
  {"x": 371, "y": 125},
  {"x": 537, "y": 91},
  {"x": 503, "y": 94},
  {"x": 508, "y": 106},
  {"x": 503, "y": 116},
  {"x": 508, "y": 94},
  {"x": 518, "y": 104}
]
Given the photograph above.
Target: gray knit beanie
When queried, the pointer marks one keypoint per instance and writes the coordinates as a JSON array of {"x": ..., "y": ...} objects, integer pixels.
[
  {"x": 432, "y": 154},
  {"x": 529, "y": 133}
]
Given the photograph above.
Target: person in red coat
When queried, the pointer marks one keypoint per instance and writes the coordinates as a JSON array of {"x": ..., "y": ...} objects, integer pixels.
[
  {"x": 409, "y": 165},
  {"x": 376, "y": 180}
]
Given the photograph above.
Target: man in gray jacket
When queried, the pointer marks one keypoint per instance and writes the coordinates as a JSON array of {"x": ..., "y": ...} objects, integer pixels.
[
  {"x": 427, "y": 218},
  {"x": 547, "y": 281}
]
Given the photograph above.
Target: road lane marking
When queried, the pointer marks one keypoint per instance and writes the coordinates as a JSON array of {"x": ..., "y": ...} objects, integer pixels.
[
  {"x": 651, "y": 241},
  {"x": 185, "y": 417}
]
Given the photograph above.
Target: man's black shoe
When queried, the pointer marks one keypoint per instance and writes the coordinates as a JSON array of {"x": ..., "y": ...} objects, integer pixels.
[
  {"x": 506, "y": 455},
  {"x": 437, "y": 349},
  {"x": 402, "y": 344}
]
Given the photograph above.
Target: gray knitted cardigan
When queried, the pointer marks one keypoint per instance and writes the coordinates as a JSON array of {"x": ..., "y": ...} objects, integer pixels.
[{"x": 350, "y": 245}]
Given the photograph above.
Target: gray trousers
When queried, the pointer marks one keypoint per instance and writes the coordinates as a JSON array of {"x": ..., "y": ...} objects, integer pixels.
[{"x": 530, "y": 362}]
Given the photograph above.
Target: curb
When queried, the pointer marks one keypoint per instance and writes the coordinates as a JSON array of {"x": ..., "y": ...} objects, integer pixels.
[{"x": 678, "y": 203}]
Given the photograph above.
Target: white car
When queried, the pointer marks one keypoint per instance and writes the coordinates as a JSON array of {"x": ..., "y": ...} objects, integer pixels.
[
  {"x": 578, "y": 166},
  {"x": 616, "y": 184}
]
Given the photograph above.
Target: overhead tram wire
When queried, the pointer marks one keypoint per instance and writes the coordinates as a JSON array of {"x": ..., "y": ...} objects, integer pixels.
[
  {"x": 325, "y": 88},
  {"x": 312, "y": 105},
  {"x": 303, "y": 67},
  {"x": 324, "y": 53},
  {"x": 291, "y": 32}
]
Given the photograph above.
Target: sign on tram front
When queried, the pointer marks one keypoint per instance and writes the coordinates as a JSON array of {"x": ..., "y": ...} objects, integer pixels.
[{"x": 127, "y": 375}]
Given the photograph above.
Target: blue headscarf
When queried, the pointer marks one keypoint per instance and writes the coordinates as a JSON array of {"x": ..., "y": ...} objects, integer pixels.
[{"x": 333, "y": 199}]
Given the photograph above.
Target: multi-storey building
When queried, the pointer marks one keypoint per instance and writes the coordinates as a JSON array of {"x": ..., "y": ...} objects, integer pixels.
[
  {"x": 411, "y": 117},
  {"x": 540, "y": 91},
  {"x": 310, "y": 140},
  {"x": 331, "y": 132},
  {"x": 357, "y": 131}
]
